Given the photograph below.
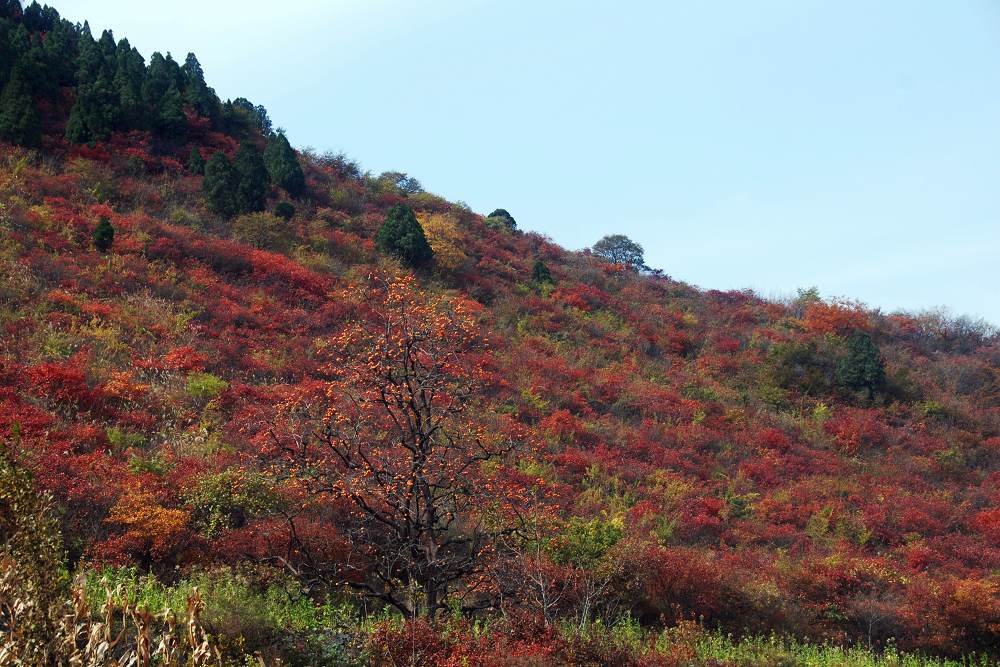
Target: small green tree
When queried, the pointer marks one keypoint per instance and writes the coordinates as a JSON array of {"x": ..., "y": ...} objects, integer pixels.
[
  {"x": 262, "y": 230},
  {"x": 252, "y": 185},
  {"x": 104, "y": 236},
  {"x": 220, "y": 184},
  {"x": 196, "y": 163},
  {"x": 620, "y": 249},
  {"x": 863, "y": 366},
  {"x": 282, "y": 165},
  {"x": 540, "y": 273},
  {"x": 402, "y": 237},
  {"x": 501, "y": 217}
]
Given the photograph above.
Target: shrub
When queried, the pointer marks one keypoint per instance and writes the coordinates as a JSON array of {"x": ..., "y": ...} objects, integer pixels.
[
  {"x": 205, "y": 386},
  {"x": 284, "y": 210},
  {"x": 540, "y": 273},
  {"x": 104, "y": 236},
  {"x": 262, "y": 230}
]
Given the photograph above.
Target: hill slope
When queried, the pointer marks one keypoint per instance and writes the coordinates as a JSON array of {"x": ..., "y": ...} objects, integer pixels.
[{"x": 809, "y": 468}]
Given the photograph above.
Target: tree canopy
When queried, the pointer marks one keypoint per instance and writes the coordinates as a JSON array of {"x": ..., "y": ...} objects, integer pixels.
[{"x": 620, "y": 249}]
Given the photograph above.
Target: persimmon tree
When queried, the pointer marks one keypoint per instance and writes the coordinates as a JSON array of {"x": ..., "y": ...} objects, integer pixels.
[{"x": 407, "y": 441}]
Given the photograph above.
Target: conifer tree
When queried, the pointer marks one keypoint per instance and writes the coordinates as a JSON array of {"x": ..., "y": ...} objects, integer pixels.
[
  {"x": 402, "y": 237},
  {"x": 19, "y": 121},
  {"x": 220, "y": 184},
  {"x": 197, "y": 94},
  {"x": 196, "y": 163},
  {"x": 60, "y": 49},
  {"x": 130, "y": 73},
  {"x": 170, "y": 120},
  {"x": 252, "y": 182},
  {"x": 282, "y": 165},
  {"x": 96, "y": 108},
  {"x": 862, "y": 367},
  {"x": 104, "y": 236}
]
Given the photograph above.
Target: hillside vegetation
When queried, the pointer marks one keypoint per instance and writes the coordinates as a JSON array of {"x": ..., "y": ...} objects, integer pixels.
[{"x": 331, "y": 418}]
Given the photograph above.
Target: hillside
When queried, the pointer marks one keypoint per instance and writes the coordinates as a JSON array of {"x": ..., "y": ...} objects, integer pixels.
[{"x": 262, "y": 383}]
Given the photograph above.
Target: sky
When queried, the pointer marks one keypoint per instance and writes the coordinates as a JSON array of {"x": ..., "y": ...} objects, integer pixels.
[{"x": 849, "y": 145}]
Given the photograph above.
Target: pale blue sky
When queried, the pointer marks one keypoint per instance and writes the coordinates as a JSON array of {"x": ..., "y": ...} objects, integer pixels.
[{"x": 847, "y": 144}]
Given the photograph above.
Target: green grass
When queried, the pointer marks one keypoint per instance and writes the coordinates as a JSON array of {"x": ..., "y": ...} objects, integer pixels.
[{"x": 776, "y": 651}]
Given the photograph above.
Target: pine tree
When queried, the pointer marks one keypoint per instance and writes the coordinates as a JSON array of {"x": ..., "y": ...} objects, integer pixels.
[
  {"x": 862, "y": 367},
  {"x": 162, "y": 96},
  {"x": 252, "y": 186},
  {"x": 402, "y": 237},
  {"x": 104, "y": 236},
  {"x": 130, "y": 73},
  {"x": 220, "y": 184},
  {"x": 282, "y": 165},
  {"x": 197, "y": 94},
  {"x": 96, "y": 110},
  {"x": 60, "y": 48},
  {"x": 196, "y": 163},
  {"x": 170, "y": 120},
  {"x": 19, "y": 121}
]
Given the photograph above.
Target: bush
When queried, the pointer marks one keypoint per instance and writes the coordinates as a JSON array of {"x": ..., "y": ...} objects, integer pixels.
[
  {"x": 284, "y": 210},
  {"x": 262, "y": 230},
  {"x": 540, "y": 273},
  {"x": 104, "y": 236},
  {"x": 205, "y": 386}
]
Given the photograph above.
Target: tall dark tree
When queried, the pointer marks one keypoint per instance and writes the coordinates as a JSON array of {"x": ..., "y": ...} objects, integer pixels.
[
  {"x": 10, "y": 9},
  {"x": 96, "y": 109},
  {"x": 161, "y": 92},
  {"x": 197, "y": 94},
  {"x": 402, "y": 237},
  {"x": 60, "y": 48},
  {"x": 196, "y": 163},
  {"x": 252, "y": 187},
  {"x": 282, "y": 165},
  {"x": 220, "y": 184},
  {"x": 863, "y": 367},
  {"x": 130, "y": 74},
  {"x": 241, "y": 118},
  {"x": 170, "y": 120},
  {"x": 19, "y": 121}
]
